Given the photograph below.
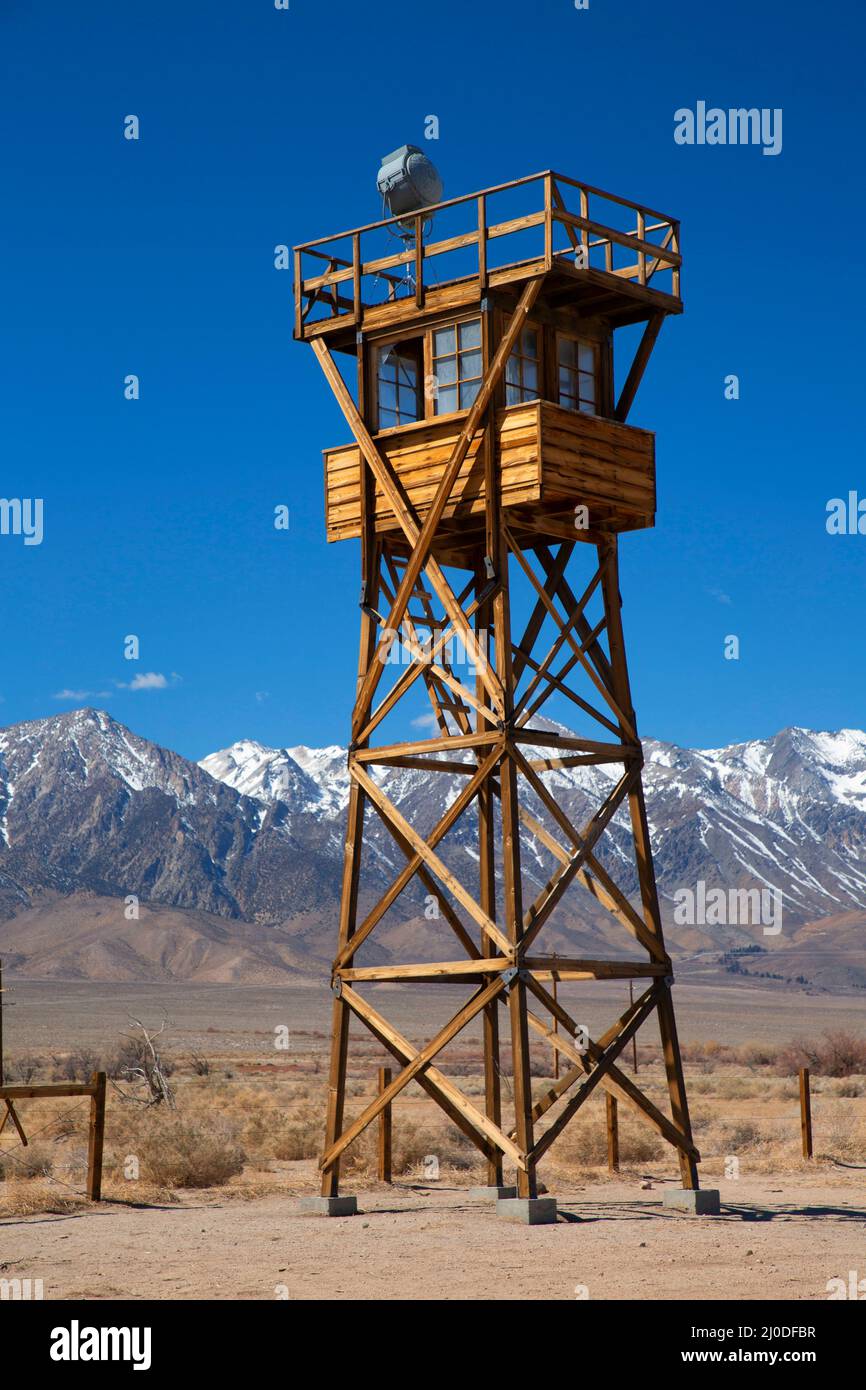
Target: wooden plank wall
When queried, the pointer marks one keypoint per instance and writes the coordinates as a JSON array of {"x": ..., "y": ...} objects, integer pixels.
[{"x": 548, "y": 454}]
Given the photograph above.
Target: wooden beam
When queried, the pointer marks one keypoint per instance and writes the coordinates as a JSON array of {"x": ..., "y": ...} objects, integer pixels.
[
  {"x": 638, "y": 367},
  {"x": 385, "y": 1135},
  {"x": 423, "y": 542},
  {"x": 438, "y": 1082},
  {"x": 96, "y": 1138},
  {"x": 409, "y": 525},
  {"x": 423, "y": 850}
]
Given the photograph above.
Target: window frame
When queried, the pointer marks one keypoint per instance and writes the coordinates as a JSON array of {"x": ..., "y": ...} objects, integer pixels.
[
  {"x": 425, "y": 337},
  {"x": 536, "y": 328},
  {"x": 458, "y": 381},
  {"x": 595, "y": 347},
  {"x": 381, "y": 348}
]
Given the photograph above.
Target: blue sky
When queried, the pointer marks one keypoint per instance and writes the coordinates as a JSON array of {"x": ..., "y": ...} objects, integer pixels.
[{"x": 261, "y": 127}]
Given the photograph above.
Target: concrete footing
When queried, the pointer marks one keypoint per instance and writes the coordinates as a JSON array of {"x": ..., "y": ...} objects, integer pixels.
[
  {"x": 528, "y": 1211},
  {"x": 493, "y": 1194},
  {"x": 329, "y": 1206},
  {"x": 702, "y": 1201}
]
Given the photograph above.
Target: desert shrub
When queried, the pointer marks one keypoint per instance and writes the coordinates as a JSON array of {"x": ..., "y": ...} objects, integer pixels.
[
  {"x": 834, "y": 1053},
  {"x": 584, "y": 1143},
  {"x": 299, "y": 1135},
  {"x": 739, "y": 1088},
  {"x": 414, "y": 1142},
  {"x": 176, "y": 1151},
  {"x": 76, "y": 1066},
  {"x": 23, "y": 1070},
  {"x": 839, "y": 1137},
  {"x": 702, "y": 1086},
  {"x": 757, "y": 1054},
  {"x": 36, "y": 1161},
  {"x": 702, "y": 1116},
  {"x": 705, "y": 1053},
  {"x": 473, "y": 1086},
  {"x": 733, "y": 1136},
  {"x": 849, "y": 1088},
  {"x": 132, "y": 1054}
]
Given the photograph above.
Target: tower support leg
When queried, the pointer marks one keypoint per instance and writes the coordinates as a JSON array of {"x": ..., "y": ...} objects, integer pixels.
[
  {"x": 609, "y": 558},
  {"x": 487, "y": 898}
]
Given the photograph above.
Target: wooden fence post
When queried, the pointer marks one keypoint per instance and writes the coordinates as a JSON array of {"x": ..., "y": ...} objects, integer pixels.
[
  {"x": 806, "y": 1112},
  {"x": 384, "y": 1129},
  {"x": 612, "y": 1134},
  {"x": 96, "y": 1137}
]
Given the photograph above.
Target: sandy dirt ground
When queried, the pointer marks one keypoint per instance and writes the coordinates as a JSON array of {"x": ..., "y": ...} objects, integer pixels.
[{"x": 777, "y": 1238}]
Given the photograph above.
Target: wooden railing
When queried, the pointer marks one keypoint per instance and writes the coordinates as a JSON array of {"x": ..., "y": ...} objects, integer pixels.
[{"x": 574, "y": 227}]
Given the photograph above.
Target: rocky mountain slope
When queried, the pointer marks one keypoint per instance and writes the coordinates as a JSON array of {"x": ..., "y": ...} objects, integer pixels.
[{"x": 90, "y": 812}]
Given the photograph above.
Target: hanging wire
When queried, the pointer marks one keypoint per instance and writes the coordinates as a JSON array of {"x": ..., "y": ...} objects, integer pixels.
[{"x": 50, "y": 1177}]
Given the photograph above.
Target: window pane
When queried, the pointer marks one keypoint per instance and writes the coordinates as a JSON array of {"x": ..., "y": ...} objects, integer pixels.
[
  {"x": 512, "y": 371},
  {"x": 513, "y": 395},
  {"x": 387, "y": 419},
  {"x": 470, "y": 334},
  {"x": 470, "y": 364},
  {"x": 587, "y": 387},
  {"x": 446, "y": 401},
  {"x": 566, "y": 381},
  {"x": 387, "y": 395},
  {"x": 444, "y": 341},
  {"x": 586, "y": 357},
  {"x": 445, "y": 368},
  {"x": 566, "y": 352},
  {"x": 468, "y": 392},
  {"x": 530, "y": 376}
]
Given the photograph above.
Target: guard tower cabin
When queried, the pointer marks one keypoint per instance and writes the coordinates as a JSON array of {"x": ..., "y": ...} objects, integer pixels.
[
  {"x": 489, "y": 438},
  {"x": 425, "y": 343}
]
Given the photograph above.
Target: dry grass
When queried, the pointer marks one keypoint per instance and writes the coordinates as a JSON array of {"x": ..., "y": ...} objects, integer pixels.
[
  {"x": 246, "y": 1129},
  {"x": 32, "y": 1196}
]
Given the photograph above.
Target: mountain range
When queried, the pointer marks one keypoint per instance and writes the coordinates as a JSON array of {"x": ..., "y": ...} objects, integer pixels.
[{"x": 121, "y": 860}]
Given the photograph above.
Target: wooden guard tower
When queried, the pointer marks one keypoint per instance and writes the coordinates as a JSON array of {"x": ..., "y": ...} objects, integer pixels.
[{"x": 491, "y": 456}]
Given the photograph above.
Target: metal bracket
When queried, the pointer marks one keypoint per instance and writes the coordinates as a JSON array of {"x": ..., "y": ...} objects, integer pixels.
[
  {"x": 367, "y": 608},
  {"x": 669, "y": 980},
  {"x": 337, "y": 988},
  {"x": 510, "y": 975},
  {"x": 489, "y": 569}
]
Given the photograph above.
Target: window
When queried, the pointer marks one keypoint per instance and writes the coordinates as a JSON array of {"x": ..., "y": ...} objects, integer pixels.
[
  {"x": 577, "y": 360},
  {"x": 457, "y": 365},
  {"x": 521, "y": 370},
  {"x": 399, "y": 370}
]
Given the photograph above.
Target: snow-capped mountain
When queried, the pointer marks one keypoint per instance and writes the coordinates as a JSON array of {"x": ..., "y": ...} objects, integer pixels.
[
  {"x": 255, "y": 834},
  {"x": 309, "y": 780},
  {"x": 785, "y": 813},
  {"x": 87, "y": 804}
]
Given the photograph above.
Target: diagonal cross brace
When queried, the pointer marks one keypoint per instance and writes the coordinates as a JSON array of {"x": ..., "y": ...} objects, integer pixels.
[
  {"x": 422, "y": 542},
  {"x": 615, "y": 1081},
  {"x": 419, "y": 1062},
  {"x": 408, "y": 521}
]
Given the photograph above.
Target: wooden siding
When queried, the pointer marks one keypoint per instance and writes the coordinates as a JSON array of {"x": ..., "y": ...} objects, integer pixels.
[{"x": 548, "y": 455}]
